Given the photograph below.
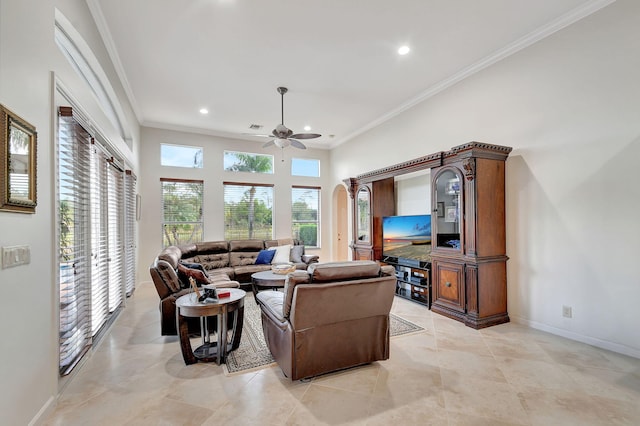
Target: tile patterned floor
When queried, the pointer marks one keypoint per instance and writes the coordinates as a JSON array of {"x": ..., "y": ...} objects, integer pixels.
[{"x": 447, "y": 374}]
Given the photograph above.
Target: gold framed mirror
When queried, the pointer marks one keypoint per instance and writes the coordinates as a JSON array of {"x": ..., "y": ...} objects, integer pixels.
[{"x": 18, "y": 163}]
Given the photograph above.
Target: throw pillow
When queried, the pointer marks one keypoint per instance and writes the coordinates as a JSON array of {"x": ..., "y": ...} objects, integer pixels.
[
  {"x": 282, "y": 254},
  {"x": 296, "y": 254},
  {"x": 185, "y": 273},
  {"x": 265, "y": 257},
  {"x": 195, "y": 266}
]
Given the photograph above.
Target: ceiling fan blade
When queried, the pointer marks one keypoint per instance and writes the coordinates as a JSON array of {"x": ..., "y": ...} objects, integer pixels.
[
  {"x": 268, "y": 144},
  {"x": 297, "y": 144},
  {"x": 305, "y": 135},
  {"x": 259, "y": 136}
]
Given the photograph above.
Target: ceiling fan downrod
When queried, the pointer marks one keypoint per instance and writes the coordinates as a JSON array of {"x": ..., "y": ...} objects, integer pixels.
[{"x": 282, "y": 91}]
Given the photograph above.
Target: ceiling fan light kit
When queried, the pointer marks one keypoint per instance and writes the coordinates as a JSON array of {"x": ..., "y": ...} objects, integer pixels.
[{"x": 282, "y": 135}]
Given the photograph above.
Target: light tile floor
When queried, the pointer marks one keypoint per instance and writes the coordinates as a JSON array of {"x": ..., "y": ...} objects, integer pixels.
[{"x": 447, "y": 374}]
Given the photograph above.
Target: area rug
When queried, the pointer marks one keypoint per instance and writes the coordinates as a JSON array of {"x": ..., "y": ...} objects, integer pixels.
[{"x": 253, "y": 353}]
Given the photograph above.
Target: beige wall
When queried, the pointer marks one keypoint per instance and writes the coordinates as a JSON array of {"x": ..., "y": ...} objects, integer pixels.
[
  {"x": 30, "y": 64},
  {"x": 569, "y": 106}
]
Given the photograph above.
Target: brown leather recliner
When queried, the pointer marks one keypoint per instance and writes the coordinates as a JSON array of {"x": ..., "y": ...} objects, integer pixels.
[{"x": 334, "y": 316}]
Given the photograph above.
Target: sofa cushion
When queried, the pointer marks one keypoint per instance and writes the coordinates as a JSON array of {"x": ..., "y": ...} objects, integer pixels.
[
  {"x": 212, "y": 247},
  {"x": 228, "y": 271},
  {"x": 187, "y": 250},
  {"x": 243, "y": 273},
  {"x": 171, "y": 255},
  {"x": 192, "y": 265},
  {"x": 290, "y": 283},
  {"x": 340, "y": 271},
  {"x": 213, "y": 261},
  {"x": 220, "y": 280},
  {"x": 282, "y": 255},
  {"x": 270, "y": 243},
  {"x": 282, "y": 241},
  {"x": 272, "y": 301},
  {"x": 246, "y": 245},
  {"x": 265, "y": 257},
  {"x": 242, "y": 258},
  {"x": 168, "y": 275},
  {"x": 185, "y": 273}
]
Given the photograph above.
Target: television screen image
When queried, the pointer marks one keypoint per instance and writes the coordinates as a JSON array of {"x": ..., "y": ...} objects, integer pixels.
[{"x": 407, "y": 237}]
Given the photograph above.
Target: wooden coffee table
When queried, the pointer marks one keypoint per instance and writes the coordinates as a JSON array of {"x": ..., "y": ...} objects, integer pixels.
[
  {"x": 188, "y": 306},
  {"x": 266, "y": 280}
]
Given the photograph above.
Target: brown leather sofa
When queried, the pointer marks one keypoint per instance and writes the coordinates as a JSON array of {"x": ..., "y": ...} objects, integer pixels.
[
  {"x": 227, "y": 264},
  {"x": 333, "y": 316}
]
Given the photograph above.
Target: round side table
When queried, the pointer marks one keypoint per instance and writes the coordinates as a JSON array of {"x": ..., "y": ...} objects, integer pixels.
[
  {"x": 266, "y": 280},
  {"x": 188, "y": 306}
]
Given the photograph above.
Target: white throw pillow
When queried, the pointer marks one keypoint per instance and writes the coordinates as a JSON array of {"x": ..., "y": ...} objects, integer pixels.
[{"x": 282, "y": 254}]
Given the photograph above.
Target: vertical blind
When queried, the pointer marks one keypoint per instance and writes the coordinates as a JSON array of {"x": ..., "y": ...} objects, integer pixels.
[
  {"x": 91, "y": 228},
  {"x": 248, "y": 211},
  {"x": 182, "y": 211}
]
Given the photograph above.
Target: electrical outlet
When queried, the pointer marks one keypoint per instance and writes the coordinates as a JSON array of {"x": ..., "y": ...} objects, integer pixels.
[{"x": 566, "y": 311}]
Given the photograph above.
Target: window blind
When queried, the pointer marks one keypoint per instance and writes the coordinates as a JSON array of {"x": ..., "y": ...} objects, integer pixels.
[
  {"x": 130, "y": 210},
  {"x": 99, "y": 242},
  {"x": 74, "y": 171},
  {"x": 115, "y": 234},
  {"x": 248, "y": 211},
  {"x": 182, "y": 211},
  {"x": 91, "y": 227}
]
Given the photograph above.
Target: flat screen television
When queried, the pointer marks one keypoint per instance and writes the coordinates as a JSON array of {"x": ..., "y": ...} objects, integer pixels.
[{"x": 407, "y": 237}]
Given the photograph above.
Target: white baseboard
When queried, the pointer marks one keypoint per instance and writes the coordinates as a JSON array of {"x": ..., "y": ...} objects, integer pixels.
[{"x": 603, "y": 344}]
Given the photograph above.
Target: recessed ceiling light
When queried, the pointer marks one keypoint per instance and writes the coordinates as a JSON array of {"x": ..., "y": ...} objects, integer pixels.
[
  {"x": 403, "y": 50},
  {"x": 307, "y": 128},
  {"x": 204, "y": 111}
]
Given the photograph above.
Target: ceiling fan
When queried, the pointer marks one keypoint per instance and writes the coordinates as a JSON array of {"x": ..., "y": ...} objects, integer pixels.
[{"x": 283, "y": 136}]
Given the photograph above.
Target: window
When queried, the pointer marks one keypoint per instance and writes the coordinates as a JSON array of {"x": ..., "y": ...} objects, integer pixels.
[
  {"x": 91, "y": 212},
  {"x": 305, "y": 208},
  {"x": 181, "y": 211},
  {"x": 181, "y": 156},
  {"x": 305, "y": 167},
  {"x": 245, "y": 162},
  {"x": 248, "y": 211}
]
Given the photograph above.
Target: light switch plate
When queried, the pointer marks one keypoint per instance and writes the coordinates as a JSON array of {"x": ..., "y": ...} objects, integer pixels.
[{"x": 15, "y": 256}]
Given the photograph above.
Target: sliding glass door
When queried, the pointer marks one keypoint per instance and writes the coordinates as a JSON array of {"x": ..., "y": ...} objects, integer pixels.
[{"x": 91, "y": 204}]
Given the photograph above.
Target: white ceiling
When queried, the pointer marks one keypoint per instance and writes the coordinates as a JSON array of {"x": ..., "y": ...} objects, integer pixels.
[{"x": 337, "y": 57}]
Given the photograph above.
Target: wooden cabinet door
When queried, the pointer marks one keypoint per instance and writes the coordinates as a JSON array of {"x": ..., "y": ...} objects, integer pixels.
[
  {"x": 449, "y": 285},
  {"x": 363, "y": 253}
]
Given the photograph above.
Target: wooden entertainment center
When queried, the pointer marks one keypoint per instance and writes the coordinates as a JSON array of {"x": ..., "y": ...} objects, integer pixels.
[{"x": 467, "y": 275}]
